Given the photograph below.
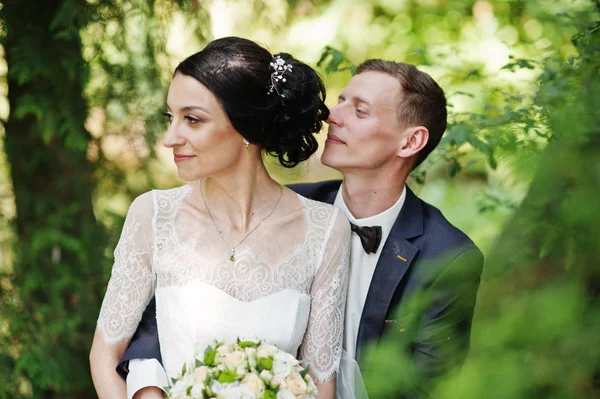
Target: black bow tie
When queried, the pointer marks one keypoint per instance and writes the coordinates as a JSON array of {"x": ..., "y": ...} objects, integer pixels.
[{"x": 370, "y": 237}]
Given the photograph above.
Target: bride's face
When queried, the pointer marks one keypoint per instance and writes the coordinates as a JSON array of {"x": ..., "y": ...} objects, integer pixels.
[{"x": 203, "y": 140}]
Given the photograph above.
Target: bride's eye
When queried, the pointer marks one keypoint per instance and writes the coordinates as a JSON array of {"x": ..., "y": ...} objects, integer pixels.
[
  {"x": 192, "y": 120},
  {"x": 169, "y": 116}
]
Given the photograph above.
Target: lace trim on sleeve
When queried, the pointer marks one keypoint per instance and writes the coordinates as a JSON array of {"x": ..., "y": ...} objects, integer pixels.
[
  {"x": 322, "y": 344},
  {"x": 131, "y": 285}
]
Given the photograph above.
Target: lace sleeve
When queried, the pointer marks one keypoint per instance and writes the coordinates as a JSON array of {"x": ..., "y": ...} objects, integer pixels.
[
  {"x": 132, "y": 280},
  {"x": 322, "y": 343}
]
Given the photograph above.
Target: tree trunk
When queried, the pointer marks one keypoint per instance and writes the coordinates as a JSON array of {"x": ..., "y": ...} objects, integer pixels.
[{"x": 57, "y": 269}]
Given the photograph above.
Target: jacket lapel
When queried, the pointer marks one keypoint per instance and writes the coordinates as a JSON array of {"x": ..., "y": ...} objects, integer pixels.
[{"x": 396, "y": 257}]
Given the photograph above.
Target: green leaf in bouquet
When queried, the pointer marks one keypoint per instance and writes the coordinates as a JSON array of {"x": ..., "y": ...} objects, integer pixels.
[
  {"x": 247, "y": 344},
  {"x": 183, "y": 369},
  {"x": 304, "y": 372},
  {"x": 268, "y": 394},
  {"x": 227, "y": 376},
  {"x": 264, "y": 363},
  {"x": 208, "y": 393},
  {"x": 199, "y": 363},
  {"x": 209, "y": 356},
  {"x": 188, "y": 391}
]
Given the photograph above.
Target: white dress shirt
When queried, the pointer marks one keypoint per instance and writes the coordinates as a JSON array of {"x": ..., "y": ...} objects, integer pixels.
[
  {"x": 145, "y": 373},
  {"x": 362, "y": 265},
  {"x": 148, "y": 372}
]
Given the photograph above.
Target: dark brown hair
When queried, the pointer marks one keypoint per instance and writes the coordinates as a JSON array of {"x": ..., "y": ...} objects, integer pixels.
[
  {"x": 422, "y": 100},
  {"x": 238, "y": 72}
]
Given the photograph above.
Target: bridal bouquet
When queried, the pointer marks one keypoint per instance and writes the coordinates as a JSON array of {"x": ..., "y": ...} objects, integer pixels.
[{"x": 243, "y": 370}]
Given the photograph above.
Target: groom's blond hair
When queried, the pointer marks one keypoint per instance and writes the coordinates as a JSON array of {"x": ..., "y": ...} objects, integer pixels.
[{"x": 422, "y": 100}]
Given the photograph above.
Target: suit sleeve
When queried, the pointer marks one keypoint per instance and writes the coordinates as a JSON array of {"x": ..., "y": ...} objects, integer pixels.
[
  {"x": 443, "y": 336},
  {"x": 144, "y": 344},
  {"x": 433, "y": 340}
]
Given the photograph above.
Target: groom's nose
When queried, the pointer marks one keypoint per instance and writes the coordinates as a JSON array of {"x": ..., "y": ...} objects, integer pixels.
[{"x": 334, "y": 117}]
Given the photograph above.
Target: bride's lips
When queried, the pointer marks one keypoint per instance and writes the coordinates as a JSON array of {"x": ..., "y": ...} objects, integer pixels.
[
  {"x": 333, "y": 139},
  {"x": 182, "y": 158}
]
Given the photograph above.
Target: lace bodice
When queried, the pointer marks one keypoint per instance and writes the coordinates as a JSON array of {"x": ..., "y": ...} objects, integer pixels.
[{"x": 298, "y": 257}]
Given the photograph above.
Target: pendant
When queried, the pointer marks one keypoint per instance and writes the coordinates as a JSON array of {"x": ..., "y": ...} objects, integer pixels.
[{"x": 232, "y": 257}]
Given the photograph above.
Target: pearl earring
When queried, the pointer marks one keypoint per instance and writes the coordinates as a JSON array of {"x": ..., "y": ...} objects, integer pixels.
[{"x": 247, "y": 143}]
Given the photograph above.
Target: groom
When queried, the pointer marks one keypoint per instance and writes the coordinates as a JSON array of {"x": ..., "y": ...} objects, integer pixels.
[{"x": 413, "y": 276}]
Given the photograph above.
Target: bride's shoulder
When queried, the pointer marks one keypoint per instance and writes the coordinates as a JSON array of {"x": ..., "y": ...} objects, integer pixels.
[
  {"x": 322, "y": 211},
  {"x": 145, "y": 203},
  {"x": 173, "y": 193},
  {"x": 318, "y": 206}
]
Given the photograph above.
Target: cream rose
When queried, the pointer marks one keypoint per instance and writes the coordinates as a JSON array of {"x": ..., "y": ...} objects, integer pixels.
[
  {"x": 234, "y": 359},
  {"x": 200, "y": 374},
  {"x": 266, "y": 351},
  {"x": 296, "y": 385},
  {"x": 254, "y": 383},
  {"x": 277, "y": 380}
]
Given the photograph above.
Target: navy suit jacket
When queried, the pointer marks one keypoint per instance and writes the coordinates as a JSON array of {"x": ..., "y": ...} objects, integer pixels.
[{"x": 422, "y": 293}]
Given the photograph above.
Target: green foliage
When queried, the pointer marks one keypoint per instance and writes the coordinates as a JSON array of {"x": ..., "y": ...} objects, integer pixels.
[
  {"x": 56, "y": 275},
  {"x": 105, "y": 63},
  {"x": 536, "y": 329}
]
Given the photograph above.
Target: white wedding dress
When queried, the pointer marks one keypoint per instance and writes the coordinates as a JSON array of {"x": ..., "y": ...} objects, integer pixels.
[{"x": 287, "y": 285}]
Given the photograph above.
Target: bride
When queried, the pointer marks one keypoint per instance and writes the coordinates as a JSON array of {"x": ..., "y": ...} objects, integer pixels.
[{"x": 232, "y": 253}]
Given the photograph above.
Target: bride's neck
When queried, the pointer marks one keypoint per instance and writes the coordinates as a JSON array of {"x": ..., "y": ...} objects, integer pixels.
[{"x": 241, "y": 197}]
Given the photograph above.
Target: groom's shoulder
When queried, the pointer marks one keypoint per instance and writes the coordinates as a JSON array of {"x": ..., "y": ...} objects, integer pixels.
[
  {"x": 317, "y": 191},
  {"x": 444, "y": 235}
]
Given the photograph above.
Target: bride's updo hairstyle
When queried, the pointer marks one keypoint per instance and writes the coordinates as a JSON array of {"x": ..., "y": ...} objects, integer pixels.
[{"x": 279, "y": 115}]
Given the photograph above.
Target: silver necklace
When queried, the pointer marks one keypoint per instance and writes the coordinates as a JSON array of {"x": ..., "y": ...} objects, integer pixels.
[{"x": 233, "y": 247}]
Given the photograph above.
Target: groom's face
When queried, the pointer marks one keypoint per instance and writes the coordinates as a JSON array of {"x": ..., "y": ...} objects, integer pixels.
[{"x": 363, "y": 127}]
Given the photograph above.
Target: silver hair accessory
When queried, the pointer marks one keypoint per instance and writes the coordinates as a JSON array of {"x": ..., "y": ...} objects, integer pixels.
[{"x": 280, "y": 67}]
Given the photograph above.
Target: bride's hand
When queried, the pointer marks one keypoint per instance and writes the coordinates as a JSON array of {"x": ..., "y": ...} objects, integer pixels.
[{"x": 149, "y": 393}]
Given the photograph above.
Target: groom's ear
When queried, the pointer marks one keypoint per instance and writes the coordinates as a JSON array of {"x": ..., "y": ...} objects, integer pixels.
[{"x": 414, "y": 140}]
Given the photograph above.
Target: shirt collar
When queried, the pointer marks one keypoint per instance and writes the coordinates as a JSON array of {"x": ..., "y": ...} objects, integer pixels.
[{"x": 384, "y": 219}]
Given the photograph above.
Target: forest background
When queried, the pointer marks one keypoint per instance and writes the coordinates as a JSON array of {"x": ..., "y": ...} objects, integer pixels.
[{"x": 82, "y": 88}]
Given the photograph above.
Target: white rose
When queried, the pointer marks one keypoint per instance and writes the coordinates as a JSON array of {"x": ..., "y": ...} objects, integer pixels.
[
  {"x": 250, "y": 352},
  {"x": 226, "y": 348},
  {"x": 296, "y": 385},
  {"x": 254, "y": 383},
  {"x": 283, "y": 363},
  {"x": 285, "y": 394},
  {"x": 197, "y": 391},
  {"x": 251, "y": 355},
  {"x": 277, "y": 380},
  {"x": 200, "y": 374},
  {"x": 227, "y": 391},
  {"x": 234, "y": 359},
  {"x": 266, "y": 375},
  {"x": 266, "y": 351},
  {"x": 221, "y": 367}
]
